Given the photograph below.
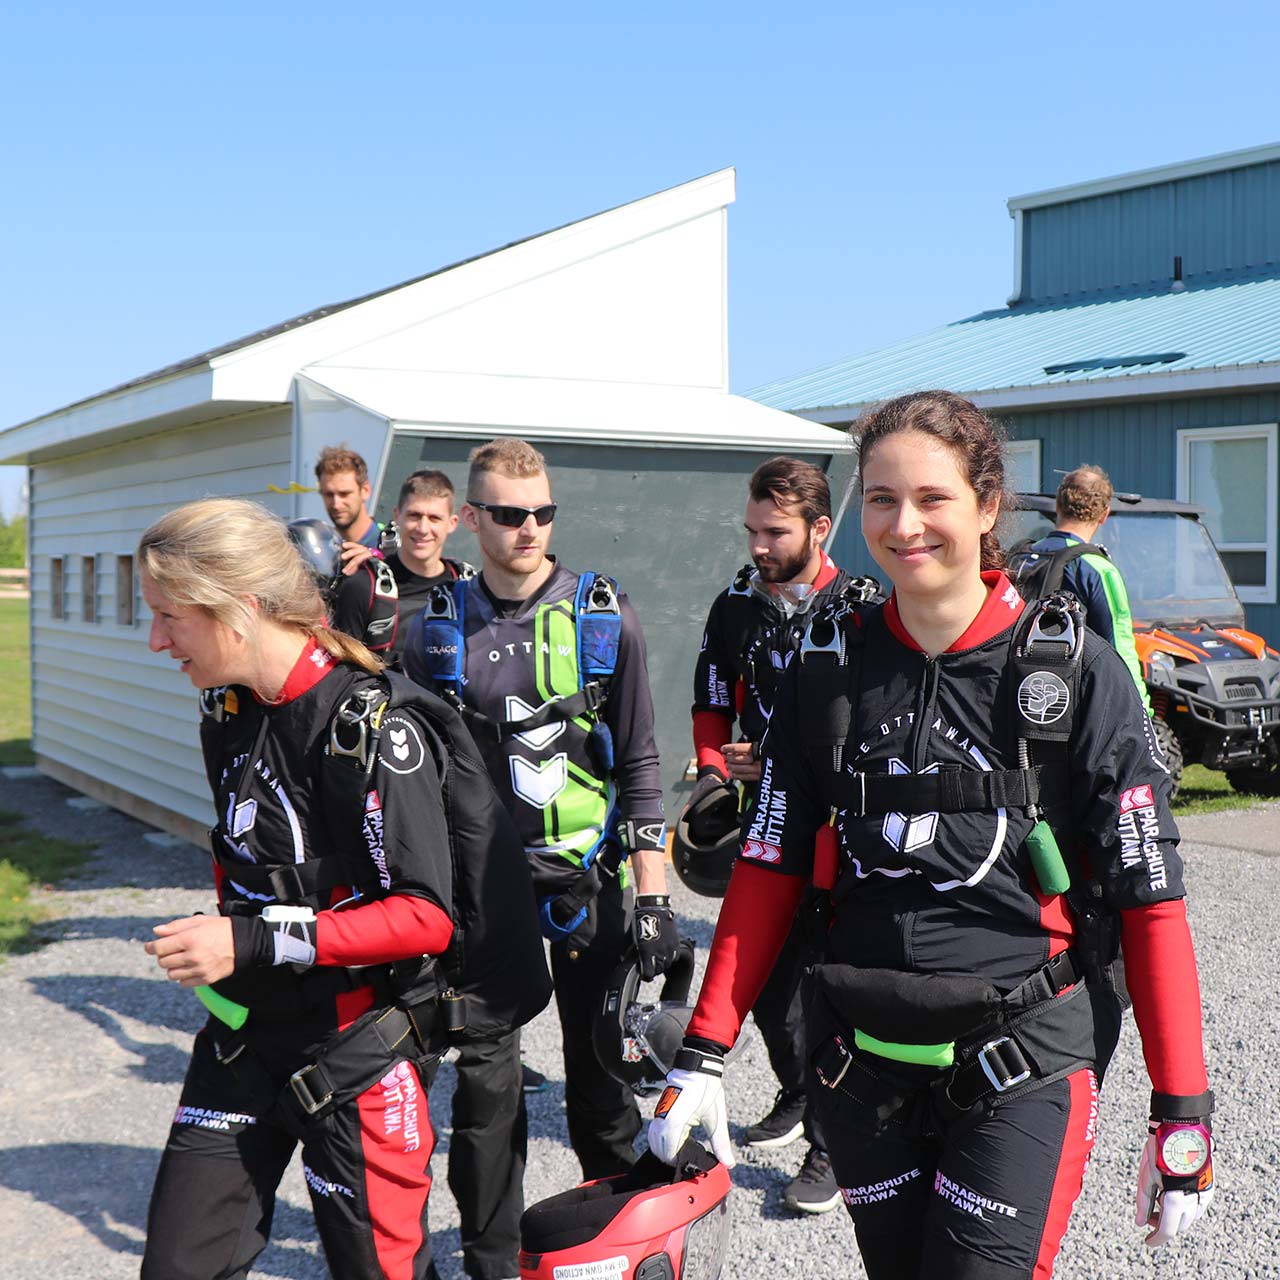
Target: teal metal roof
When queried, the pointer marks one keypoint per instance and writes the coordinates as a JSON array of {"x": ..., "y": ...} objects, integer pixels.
[{"x": 1218, "y": 327}]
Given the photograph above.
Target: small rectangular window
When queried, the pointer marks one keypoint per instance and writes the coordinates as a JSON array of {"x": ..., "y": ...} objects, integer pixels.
[
  {"x": 125, "y": 613},
  {"x": 89, "y": 588},
  {"x": 57, "y": 587}
]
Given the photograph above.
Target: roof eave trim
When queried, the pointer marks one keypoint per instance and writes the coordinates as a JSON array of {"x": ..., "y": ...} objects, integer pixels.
[
  {"x": 88, "y": 418},
  {"x": 1146, "y": 177},
  {"x": 833, "y": 442},
  {"x": 1129, "y": 387}
]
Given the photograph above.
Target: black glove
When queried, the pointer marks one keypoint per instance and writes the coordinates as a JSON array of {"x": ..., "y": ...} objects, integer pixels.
[{"x": 657, "y": 940}]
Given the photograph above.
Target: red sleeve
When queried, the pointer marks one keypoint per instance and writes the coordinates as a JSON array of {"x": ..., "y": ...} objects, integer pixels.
[
  {"x": 754, "y": 922},
  {"x": 711, "y": 730},
  {"x": 393, "y": 928},
  {"x": 1160, "y": 972}
]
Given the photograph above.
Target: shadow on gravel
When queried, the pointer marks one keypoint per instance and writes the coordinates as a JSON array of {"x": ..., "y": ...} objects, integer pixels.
[
  {"x": 135, "y": 929},
  {"x": 107, "y": 1002},
  {"x": 105, "y": 1187}
]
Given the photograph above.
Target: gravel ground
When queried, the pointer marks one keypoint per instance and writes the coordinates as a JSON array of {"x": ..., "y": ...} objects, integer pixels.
[{"x": 93, "y": 1045}]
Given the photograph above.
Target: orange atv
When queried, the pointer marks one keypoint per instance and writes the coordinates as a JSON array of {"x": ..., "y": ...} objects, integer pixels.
[{"x": 1214, "y": 686}]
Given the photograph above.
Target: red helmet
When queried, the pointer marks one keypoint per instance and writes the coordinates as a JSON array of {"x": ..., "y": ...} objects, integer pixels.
[{"x": 654, "y": 1223}]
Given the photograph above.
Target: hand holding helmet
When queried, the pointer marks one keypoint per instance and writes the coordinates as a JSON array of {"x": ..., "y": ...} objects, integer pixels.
[
  {"x": 1175, "y": 1173},
  {"x": 694, "y": 1096},
  {"x": 656, "y": 937}
]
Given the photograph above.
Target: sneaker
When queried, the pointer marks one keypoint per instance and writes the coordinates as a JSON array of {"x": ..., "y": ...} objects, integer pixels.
[
  {"x": 532, "y": 1081},
  {"x": 784, "y": 1124},
  {"x": 813, "y": 1189}
]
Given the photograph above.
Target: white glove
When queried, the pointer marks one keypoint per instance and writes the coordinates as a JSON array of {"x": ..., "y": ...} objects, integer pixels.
[
  {"x": 694, "y": 1095},
  {"x": 1168, "y": 1204}
]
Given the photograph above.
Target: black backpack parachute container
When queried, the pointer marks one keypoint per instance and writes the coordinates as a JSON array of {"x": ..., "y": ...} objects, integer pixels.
[
  {"x": 1038, "y": 574},
  {"x": 493, "y": 978}
]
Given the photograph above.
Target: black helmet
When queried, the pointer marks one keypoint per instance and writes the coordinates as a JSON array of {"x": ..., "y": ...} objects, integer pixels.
[
  {"x": 655, "y": 1222},
  {"x": 636, "y": 1042},
  {"x": 320, "y": 546},
  {"x": 705, "y": 842}
]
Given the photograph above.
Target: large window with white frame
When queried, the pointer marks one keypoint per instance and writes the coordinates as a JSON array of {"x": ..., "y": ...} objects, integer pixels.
[{"x": 1231, "y": 473}]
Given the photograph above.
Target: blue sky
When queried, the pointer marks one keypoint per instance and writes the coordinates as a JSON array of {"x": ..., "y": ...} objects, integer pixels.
[{"x": 175, "y": 176}]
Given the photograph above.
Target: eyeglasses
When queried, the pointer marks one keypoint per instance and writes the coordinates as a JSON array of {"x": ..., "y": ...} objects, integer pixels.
[{"x": 514, "y": 517}]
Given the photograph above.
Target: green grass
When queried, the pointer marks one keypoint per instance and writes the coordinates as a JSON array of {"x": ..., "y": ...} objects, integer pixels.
[
  {"x": 15, "y": 683},
  {"x": 1208, "y": 791},
  {"x": 27, "y": 861}
]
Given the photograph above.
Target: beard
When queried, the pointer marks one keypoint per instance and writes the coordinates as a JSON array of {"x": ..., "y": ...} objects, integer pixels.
[{"x": 781, "y": 570}]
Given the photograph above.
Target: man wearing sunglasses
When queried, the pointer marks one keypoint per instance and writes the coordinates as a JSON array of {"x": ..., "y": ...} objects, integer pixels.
[{"x": 582, "y": 784}]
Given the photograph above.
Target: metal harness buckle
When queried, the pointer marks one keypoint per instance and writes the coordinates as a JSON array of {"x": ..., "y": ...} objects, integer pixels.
[
  {"x": 846, "y": 1058},
  {"x": 361, "y": 717},
  {"x": 302, "y": 1090},
  {"x": 1006, "y": 1079}
]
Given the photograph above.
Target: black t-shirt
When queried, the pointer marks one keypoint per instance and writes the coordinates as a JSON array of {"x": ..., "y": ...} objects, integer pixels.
[{"x": 356, "y": 602}]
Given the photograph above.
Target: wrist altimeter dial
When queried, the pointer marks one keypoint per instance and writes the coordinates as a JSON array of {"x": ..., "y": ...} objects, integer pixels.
[{"x": 1182, "y": 1149}]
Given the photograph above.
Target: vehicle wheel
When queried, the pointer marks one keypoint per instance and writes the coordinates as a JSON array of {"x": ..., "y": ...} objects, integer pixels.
[
  {"x": 1262, "y": 780},
  {"x": 1171, "y": 749}
]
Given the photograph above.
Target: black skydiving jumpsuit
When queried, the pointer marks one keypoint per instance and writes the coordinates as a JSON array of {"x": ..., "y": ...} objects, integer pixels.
[
  {"x": 365, "y": 1162},
  {"x": 987, "y": 1193},
  {"x": 746, "y": 646},
  {"x": 516, "y": 655}
]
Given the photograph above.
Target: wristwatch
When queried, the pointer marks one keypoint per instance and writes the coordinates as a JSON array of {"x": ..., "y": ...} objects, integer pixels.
[{"x": 1182, "y": 1149}]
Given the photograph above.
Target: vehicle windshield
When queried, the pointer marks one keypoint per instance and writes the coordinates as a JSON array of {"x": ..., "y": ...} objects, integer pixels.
[{"x": 1170, "y": 565}]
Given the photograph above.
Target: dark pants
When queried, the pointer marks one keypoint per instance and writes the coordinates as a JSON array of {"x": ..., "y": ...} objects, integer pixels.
[
  {"x": 366, "y": 1166},
  {"x": 487, "y": 1156},
  {"x": 779, "y": 1014},
  {"x": 987, "y": 1197},
  {"x": 602, "y": 1113}
]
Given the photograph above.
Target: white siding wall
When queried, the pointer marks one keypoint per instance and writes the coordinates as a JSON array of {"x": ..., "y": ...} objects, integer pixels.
[{"x": 102, "y": 702}]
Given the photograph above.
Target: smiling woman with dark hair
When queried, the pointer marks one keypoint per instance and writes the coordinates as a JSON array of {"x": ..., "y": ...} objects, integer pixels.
[{"x": 990, "y": 813}]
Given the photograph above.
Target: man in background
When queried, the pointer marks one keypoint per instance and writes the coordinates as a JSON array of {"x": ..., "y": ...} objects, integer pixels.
[
  {"x": 343, "y": 478},
  {"x": 379, "y": 611},
  {"x": 1083, "y": 505}
]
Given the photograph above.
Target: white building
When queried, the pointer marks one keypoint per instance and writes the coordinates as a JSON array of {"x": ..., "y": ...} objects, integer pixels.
[{"x": 605, "y": 342}]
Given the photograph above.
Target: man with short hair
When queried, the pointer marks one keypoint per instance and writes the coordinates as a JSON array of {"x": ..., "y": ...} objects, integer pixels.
[
  {"x": 752, "y": 633},
  {"x": 1083, "y": 504},
  {"x": 583, "y": 787},
  {"x": 343, "y": 477},
  {"x": 425, "y": 517}
]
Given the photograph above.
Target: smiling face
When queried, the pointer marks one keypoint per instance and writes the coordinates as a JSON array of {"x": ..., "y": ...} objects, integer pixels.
[
  {"x": 921, "y": 518},
  {"x": 424, "y": 524},
  {"x": 209, "y": 651},
  {"x": 521, "y": 551},
  {"x": 781, "y": 543}
]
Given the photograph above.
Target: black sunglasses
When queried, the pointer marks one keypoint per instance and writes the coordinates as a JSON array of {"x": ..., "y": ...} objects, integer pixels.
[{"x": 514, "y": 517}]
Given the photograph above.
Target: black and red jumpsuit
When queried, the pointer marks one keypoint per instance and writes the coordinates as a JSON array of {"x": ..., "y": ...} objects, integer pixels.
[
  {"x": 747, "y": 644},
  {"x": 988, "y": 1194},
  {"x": 366, "y": 1162}
]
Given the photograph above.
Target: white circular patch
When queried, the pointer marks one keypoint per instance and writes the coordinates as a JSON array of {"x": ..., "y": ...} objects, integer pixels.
[
  {"x": 1043, "y": 697},
  {"x": 401, "y": 750}
]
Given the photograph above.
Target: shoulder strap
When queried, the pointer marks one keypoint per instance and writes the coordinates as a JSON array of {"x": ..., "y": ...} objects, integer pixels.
[
  {"x": 1062, "y": 557},
  {"x": 444, "y": 634},
  {"x": 384, "y": 608},
  {"x": 597, "y": 620},
  {"x": 826, "y": 685}
]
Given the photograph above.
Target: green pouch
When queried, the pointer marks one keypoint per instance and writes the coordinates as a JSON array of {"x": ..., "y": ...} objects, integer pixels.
[{"x": 1046, "y": 859}]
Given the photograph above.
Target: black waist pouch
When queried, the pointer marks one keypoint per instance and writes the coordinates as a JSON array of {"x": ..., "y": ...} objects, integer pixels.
[{"x": 905, "y": 1008}]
